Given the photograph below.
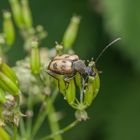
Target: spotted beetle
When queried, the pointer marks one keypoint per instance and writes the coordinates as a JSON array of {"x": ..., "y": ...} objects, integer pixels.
[{"x": 68, "y": 65}]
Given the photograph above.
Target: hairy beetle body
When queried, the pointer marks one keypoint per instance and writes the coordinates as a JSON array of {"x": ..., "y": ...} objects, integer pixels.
[
  {"x": 68, "y": 65},
  {"x": 63, "y": 64}
]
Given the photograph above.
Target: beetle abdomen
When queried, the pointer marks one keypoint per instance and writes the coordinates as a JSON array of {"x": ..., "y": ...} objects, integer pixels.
[
  {"x": 61, "y": 66},
  {"x": 67, "y": 57}
]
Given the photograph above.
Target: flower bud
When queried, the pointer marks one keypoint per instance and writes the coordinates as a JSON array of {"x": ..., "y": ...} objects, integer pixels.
[
  {"x": 35, "y": 58},
  {"x": 62, "y": 86},
  {"x": 71, "y": 92},
  {"x": 71, "y": 32},
  {"x": 4, "y": 135},
  {"x": 81, "y": 115},
  {"x": 59, "y": 80},
  {"x": 78, "y": 80},
  {"x": 41, "y": 33},
  {"x": 2, "y": 96},
  {"x": 8, "y": 28},
  {"x": 8, "y": 85},
  {"x": 92, "y": 89},
  {"x": 26, "y": 13},
  {"x": 16, "y": 10},
  {"x": 59, "y": 48},
  {"x": 5, "y": 69}
]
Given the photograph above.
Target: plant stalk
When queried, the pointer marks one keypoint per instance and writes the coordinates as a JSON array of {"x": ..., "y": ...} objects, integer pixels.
[
  {"x": 60, "y": 132},
  {"x": 52, "y": 117}
]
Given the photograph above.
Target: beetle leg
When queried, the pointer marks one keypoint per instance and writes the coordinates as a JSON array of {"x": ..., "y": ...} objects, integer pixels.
[
  {"x": 52, "y": 74},
  {"x": 67, "y": 80}
]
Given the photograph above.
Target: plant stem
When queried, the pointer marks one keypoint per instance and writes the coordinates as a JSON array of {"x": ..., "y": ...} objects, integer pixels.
[
  {"x": 22, "y": 127},
  {"x": 82, "y": 91},
  {"x": 29, "y": 120},
  {"x": 15, "y": 132},
  {"x": 60, "y": 132},
  {"x": 43, "y": 113},
  {"x": 40, "y": 118},
  {"x": 52, "y": 117}
]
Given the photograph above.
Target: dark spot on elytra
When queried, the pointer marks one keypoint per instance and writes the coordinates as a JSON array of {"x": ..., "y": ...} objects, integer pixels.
[
  {"x": 63, "y": 67},
  {"x": 63, "y": 61},
  {"x": 55, "y": 66}
]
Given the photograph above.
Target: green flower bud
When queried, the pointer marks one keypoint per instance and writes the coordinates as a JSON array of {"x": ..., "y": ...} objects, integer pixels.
[
  {"x": 26, "y": 13},
  {"x": 71, "y": 92},
  {"x": 92, "y": 89},
  {"x": 59, "y": 48},
  {"x": 4, "y": 135},
  {"x": 78, "y": 80},
  {"x": 71, "y": 32},
  {"x": 62, "y": 86},
  {"x": 59, "y": 80},
  {"x": 5, "y": 69},
  {"x": 41, "y": 33},
  {"x": 81, "y": 115},
  {"x": 35, "y": 58},
  {"x": 8, "y": 28},
  {"x": 8, "y": 85},
  {"x": 2, "y": 96},
  {"x": 16, "y": 10}
]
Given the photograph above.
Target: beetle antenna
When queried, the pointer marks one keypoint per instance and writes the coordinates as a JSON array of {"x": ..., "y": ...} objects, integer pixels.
[{"x": 101, "y": 53}]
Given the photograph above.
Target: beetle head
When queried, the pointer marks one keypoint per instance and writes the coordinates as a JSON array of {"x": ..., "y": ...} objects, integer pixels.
[{"x": 89, "y": 71}]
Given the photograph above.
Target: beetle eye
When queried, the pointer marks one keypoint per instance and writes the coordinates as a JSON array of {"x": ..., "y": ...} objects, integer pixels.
[{"x": 93, "y": 74}]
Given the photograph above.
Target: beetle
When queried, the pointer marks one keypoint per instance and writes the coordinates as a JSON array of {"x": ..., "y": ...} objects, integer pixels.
[{"x": 68, "y": 65}]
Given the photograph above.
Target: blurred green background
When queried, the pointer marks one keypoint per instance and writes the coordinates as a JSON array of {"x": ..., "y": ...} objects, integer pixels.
[{"x": 115, "y": 114}]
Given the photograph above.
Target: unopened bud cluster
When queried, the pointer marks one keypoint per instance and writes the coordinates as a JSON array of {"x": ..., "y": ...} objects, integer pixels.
[
  {"x": 71, "y": 32},
  {"x": 9, "y": 95},
  {"x": 87, "y": 89},
  {"x": 8, "y": 79}
]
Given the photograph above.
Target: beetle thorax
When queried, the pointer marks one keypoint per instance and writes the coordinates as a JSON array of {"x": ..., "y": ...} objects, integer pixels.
[{"x": 79, "y": 66}]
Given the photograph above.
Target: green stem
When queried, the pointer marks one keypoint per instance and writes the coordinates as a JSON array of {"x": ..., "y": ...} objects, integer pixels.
[
  {"x": 22, "y": 127},
  {"x": 43, "y": 113},
  {"x": 15, "y": 132},
  {"x": 52, "y": 117},
  {"x": 29, "y": 120},
  {"x": 60, "y": 132},
  {"x": 40, "y": 118}
]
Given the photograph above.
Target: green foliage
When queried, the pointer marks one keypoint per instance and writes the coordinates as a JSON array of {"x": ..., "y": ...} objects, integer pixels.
[
  {"x": 122, "y": 18},
  {"x": 115, "y": 114},
  {"x": 3, "y": 134}
]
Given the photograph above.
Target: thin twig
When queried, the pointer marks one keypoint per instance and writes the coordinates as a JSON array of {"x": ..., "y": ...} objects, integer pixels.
[{"x": 60, "y": 132}]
